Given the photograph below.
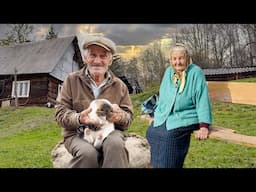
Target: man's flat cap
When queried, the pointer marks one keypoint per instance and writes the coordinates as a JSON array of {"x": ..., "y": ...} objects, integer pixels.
[{"x": 104, "y": 42}]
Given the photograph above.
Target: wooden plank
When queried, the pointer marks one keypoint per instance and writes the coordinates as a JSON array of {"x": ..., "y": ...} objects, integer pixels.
[
  {"x": 234, "y": 92},
  {"x": 53, "y": 85},
  {"x": 230, "y": 135},
  {"x": 221, "y": 133},
  {"x": 53, "y": 101},
  {"x": 52, "y": 95}
]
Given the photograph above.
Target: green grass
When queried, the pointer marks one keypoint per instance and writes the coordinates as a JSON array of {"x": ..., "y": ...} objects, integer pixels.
[
  {"x": 28, "y": 134},
  {"x": 139, "y": 126},
  {"x": 219, "y": 154},
  {"x": 30, "y": 149},
  {"x": 247, "y": 80},
  {"x": 239, "y": 117}
]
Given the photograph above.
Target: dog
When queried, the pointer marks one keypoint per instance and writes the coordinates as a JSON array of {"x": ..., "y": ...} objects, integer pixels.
[{"x": 101, "y": 110}]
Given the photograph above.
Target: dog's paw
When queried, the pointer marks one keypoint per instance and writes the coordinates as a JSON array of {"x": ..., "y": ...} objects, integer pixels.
[
  {"x": 87, "y": 131},
  {"x": 88, "y": 136},
  {"x": 100, "y": 137}
]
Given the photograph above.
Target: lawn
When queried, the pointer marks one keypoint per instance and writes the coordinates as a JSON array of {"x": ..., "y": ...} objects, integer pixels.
[{"x": 28, "y": 134}]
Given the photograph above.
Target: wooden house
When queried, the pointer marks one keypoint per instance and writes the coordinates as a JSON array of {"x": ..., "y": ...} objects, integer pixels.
[
  {"x": 227, "y": 74},
  {"x": 39, "y": 69}
]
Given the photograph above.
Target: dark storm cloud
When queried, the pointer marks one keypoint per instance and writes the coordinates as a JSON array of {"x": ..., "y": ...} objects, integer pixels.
[
  {"x": 121, "y": 34},
  {"x": 136, "y": 34},
  {"x": 3, "y": 30}
]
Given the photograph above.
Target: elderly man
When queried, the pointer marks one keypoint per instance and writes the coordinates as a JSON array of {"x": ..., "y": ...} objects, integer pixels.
[{"x": 93, "y": 81}]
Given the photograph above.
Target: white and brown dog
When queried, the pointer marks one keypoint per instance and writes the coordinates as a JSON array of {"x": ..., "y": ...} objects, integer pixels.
[{"x": 101, "y": 110}]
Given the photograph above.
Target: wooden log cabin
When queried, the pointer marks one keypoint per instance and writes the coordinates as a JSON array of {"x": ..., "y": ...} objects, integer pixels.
[
  {"x": 39, "y": 67},
  {"x": 227, "y": 74}
]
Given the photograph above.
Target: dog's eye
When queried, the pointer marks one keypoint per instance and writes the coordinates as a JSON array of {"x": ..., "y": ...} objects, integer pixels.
[
  {"x": 106, "y": 107},
  {"x": 101, "y": 112}
]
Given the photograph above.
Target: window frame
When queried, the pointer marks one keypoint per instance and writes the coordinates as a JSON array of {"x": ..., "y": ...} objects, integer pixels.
[
  {"x": 59, "y": 88},
  {"x": 21, "y": 93}
]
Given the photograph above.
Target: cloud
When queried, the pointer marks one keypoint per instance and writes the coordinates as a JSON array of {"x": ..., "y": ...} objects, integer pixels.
[{"x": 121, "y": 34}]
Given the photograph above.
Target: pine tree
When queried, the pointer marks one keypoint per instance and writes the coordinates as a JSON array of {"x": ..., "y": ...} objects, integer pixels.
[{"x": 51, "y": 34}]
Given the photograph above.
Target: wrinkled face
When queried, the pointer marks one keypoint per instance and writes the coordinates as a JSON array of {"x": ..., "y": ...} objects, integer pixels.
[
  {"x": 178, "y": 60},
  {"x": 98, "y": 60}
]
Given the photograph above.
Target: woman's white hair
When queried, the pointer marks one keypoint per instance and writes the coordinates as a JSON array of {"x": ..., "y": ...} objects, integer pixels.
[{"x": 182, "y": 47}]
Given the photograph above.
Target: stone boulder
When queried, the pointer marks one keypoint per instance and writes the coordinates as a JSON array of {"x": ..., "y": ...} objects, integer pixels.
[{"x": 137, "y": 146}]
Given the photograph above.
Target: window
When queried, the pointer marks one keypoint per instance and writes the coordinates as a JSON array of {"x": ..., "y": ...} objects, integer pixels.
[{"x": 23, "y": 88}]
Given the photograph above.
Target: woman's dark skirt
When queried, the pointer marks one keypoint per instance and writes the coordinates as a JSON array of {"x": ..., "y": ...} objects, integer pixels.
[{"x": 169, "y": 148}]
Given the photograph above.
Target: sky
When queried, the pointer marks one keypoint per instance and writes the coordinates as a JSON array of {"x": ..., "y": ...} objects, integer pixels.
[{"x": 121, "y": 34}]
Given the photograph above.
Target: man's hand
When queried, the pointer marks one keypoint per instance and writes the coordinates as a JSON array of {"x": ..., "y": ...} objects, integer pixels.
[
  {"x": 202, "y": 133},
  {"x": 84, "y": 117},
  {"x": 116, "y": 114}
]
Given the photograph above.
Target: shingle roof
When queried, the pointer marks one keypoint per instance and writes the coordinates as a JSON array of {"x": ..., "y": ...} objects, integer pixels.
[
  {"x": 222, "y": 71},
  {"x": 33, "y": 57}
]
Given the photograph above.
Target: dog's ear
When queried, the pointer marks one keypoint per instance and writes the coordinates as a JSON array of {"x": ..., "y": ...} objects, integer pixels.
[
  {"x": 108, "y": 110},
  {"x": 105, "y": 110}
]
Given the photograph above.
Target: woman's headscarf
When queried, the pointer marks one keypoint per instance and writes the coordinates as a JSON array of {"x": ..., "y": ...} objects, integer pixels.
[{"x": 177, "y": 75}]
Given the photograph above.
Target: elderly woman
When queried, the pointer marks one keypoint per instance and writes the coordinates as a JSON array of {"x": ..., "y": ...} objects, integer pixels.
[
  {"x": 80, "y": 88},
  {"x": 183, "y": 107}
]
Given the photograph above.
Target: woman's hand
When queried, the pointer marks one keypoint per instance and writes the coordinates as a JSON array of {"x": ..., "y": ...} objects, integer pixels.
[{"x": 202, "y": 133}]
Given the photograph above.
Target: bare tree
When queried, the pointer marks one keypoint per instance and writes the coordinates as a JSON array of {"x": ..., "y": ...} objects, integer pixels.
[
  {"x": 153, "y": 62},
  {"x": 197, "y": 37},
  {"x": 19, "y": 33},
  {"x": 117, "y": 66},
  {"x": 132, "y": 71},
  {"x": 220, "y": 45},
  {"x": 249, "y": 48}
]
